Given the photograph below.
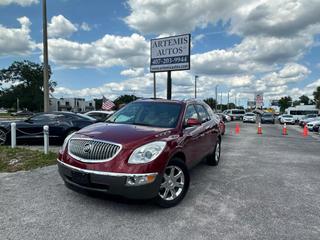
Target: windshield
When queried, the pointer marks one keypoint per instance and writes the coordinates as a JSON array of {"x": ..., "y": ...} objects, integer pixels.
[
  {"x": 287, "y": 116},
  {"x": 267, "y": 115},
  {"x": 249, "y": 114},
  {"x": 155, "y": 114}
]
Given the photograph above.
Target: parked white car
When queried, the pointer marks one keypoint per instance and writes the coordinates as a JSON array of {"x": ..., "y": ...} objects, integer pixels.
[
  {"x": 2, "y": 110},
  {"x": 288, "y": 119},
  {"x": 310, "y": 125},
  {"x": 250, "y": 117},
  {"x": 101, "y": 116}
]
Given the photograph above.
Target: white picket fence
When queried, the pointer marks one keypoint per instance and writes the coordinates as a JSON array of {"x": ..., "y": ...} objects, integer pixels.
[{"x": 45, "y": 137}]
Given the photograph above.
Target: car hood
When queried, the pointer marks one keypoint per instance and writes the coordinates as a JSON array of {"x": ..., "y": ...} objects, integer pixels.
[{"x": 129, "y": 136}]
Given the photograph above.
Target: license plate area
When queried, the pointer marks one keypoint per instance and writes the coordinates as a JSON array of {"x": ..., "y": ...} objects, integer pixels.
[{"x": 81, "y": 178}]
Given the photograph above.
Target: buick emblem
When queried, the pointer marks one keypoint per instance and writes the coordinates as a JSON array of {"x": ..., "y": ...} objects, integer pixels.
[{"x": 87, "y": 148}]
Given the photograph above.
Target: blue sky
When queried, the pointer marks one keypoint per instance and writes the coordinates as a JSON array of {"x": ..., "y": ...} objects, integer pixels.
[{"x": 101, "y": 47}]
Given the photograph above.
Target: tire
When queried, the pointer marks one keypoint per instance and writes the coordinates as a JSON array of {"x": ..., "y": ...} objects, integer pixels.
[
  {"x": 172, "y": 184},
  {"x": 3, "y": 136},
  {"x": 214, "y": 158}
]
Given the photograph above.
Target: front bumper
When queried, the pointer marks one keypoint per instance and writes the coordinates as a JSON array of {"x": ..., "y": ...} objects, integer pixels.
[
  {"x": 108, "y": 182},
  {"x": 267, "y": 120},
  {"x": 249, "y": 120}
]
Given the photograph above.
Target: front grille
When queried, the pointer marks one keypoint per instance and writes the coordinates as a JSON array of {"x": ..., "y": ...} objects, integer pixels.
[{"x": 89, "y": 150}]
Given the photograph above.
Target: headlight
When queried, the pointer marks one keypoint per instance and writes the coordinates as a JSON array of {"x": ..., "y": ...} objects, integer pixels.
[
  {"x": 147, "y": 153},
  {"x": 66, "y": 140}
]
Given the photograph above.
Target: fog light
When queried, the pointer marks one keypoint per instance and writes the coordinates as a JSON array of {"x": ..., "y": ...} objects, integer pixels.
[{"x": 140, "y": 180}]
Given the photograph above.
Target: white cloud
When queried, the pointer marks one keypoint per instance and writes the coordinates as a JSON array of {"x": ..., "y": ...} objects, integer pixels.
[
  {"x": 198, "y": 38},
  {"x": 111, "y": 50},
  {"x": 290, "y": 73},
  {"x": 85, "y": 27},
  {"x": 275, "y": 18},
  {"x": 22, "y": 3},
  {"x": 177, "y": 16},
  {"x": 133, "y": 72},
  {"x": 61, "y": 27},
  {"x": 16, "y": 41}
]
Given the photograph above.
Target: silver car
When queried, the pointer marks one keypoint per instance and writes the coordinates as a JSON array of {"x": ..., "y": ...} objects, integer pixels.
[{"x": 250, "y": 117}]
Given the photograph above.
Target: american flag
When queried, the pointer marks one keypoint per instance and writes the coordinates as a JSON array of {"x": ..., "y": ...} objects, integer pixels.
[{"x": 107, "y": 104}]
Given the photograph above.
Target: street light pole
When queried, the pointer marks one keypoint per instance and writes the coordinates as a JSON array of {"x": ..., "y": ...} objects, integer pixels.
[
  {"x": 221, "y": 101},
  {"x": 216, "y": 98},
  {"x": 195, "y": 85},
  {"x": 228, "y": 99},
  {"x": 45, "y": 58}
]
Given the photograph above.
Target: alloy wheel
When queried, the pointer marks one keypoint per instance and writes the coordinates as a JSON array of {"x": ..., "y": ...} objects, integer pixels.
[
  {"x": 217, "y": 152},
  {"x": 172, "y": 183}
]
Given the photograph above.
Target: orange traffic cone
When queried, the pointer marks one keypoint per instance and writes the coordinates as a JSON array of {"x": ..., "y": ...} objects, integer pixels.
[
  {"x": 284, "y": 129},
  {"x": 259, "y": 128},
  {"x": 305, "y": 131},
  {"x": 237, "y": 128}
]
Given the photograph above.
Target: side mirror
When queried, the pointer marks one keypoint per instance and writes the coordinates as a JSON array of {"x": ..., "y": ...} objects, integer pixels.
[{"x": 191, "y": 122}]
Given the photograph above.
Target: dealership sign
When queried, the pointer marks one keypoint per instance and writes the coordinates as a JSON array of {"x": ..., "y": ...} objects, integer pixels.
[
  {"x": 170, "y": 53},
  {"x": 259, "y": 99}
]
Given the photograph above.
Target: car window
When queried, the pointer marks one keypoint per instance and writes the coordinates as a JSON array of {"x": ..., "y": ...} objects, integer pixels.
[
  {"x": 44, "y": 117},
  {"x": 204, "y": 117},
  {"x": 238, "y": 112},
  {"x": 210, "y": 112},
  {"x": 190, "y": 113},
  {"x": 157, "y": 114}
]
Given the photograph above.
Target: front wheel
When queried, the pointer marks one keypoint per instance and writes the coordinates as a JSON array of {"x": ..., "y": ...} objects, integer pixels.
[
  {"x": 214, "y": 158},
  {"x": 174, "y": 185}
]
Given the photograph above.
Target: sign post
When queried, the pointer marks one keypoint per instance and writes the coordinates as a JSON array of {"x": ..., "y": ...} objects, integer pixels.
[
  {"x": 154, "y": 86},
  {"x": 170, "y": 54}
]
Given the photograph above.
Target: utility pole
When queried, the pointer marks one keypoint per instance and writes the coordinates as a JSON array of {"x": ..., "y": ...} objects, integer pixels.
[
  {"x": 228, "y": 99},
  {"x": 216, "y": 88},
  {"x": 221, "y": 101},
  {"x": 45, "y": 58},
  {"x": 154, "y": 86},
  {"x": 235, "y": 101},
  {"x": 195, "y": 85},
  {"x": 17, "y": 104}
]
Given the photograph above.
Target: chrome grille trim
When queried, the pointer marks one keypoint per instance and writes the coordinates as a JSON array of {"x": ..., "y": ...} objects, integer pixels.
[{"x": 101, "y": 151}]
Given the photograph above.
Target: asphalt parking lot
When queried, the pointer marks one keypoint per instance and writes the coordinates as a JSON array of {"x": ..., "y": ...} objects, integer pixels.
[{"x": 265, "y": 187}]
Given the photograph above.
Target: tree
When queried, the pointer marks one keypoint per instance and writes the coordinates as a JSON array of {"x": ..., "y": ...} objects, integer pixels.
[
  {"x": 211, "y": 102},
  {"x": 285, "y": 102},
  {"x": 316, "y": 95},
  {"x": 98, "y": 103},
  {"x": 296, "y": 103},
  {"x": 304, "y": 99},
  {"x": 26, "y": 83},
  {"x": 124, "y": 99}
]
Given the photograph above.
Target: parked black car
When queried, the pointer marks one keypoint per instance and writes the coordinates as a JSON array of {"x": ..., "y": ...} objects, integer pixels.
[
  {"x": 267, "y": 118},
  {"x": 22, "y": 113},
  {"x": 61, "y": 124}
]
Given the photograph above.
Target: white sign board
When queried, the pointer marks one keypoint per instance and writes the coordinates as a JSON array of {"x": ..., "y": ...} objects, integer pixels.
[
  {"x": 259, "y": 99},
  {"x": 170, "y": 53}
]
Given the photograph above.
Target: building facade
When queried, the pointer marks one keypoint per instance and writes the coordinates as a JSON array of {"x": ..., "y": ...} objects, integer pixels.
[{"x": 71, "y": 104}]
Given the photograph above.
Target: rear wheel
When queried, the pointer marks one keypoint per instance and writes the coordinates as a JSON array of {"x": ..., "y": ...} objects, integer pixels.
[
  {"x": 3, "y": 137},
  {"x": 214, "y": 158},
  {"x": 174, "y": 185}
]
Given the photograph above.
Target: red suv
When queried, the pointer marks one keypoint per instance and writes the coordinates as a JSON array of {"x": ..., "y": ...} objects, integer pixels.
[{"x": 143, "y": 151}]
